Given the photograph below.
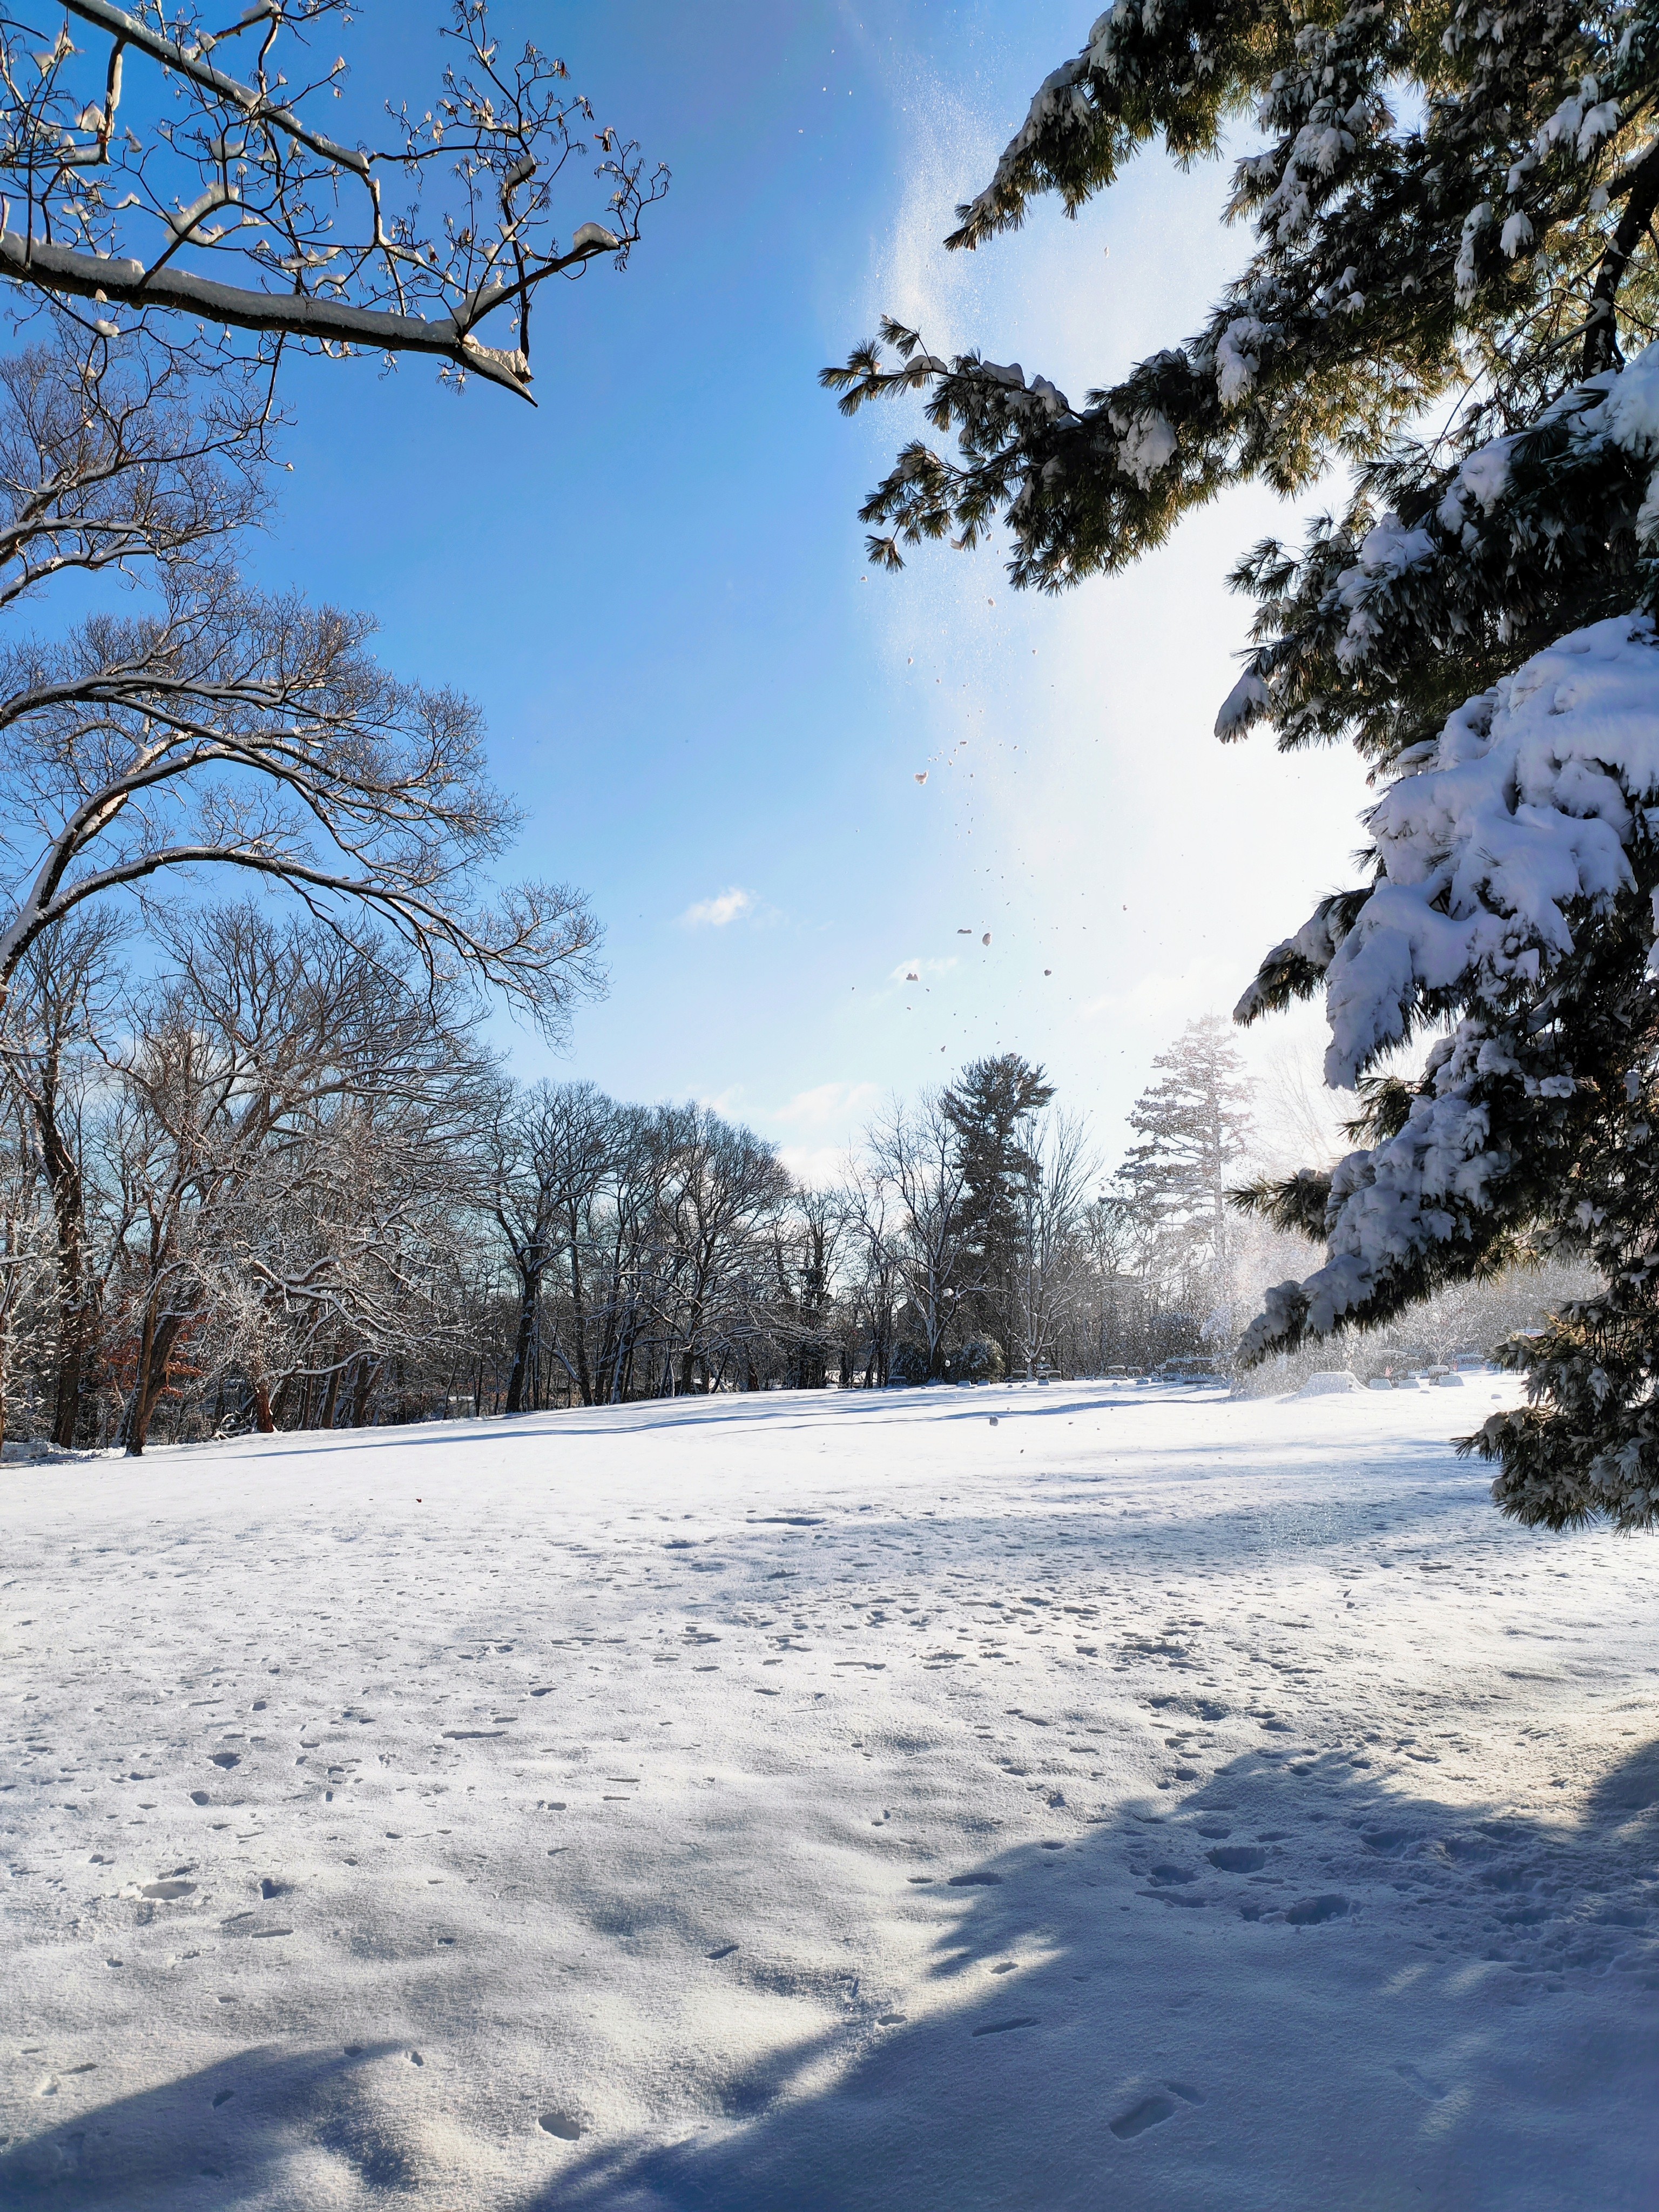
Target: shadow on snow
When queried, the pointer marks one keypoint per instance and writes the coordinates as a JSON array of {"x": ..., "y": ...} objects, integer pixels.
[
  {"x": 1296, "y": 1990},
  {"x": 1293, "y": 1989}
]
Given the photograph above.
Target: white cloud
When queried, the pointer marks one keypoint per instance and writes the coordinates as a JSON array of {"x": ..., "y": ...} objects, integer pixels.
[
  {"x": 714, "y": 913},
  {"x": 1166, "y": 1000},
  {"x": 728, "y": 1102},
  {"x": 910, "y": 971},
  {"x": 827, "y": 1105},
  {"x": 816, "y": 1167}
]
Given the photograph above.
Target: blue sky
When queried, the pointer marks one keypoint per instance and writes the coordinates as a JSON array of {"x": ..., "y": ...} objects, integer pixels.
[{"x": 712, "y": 710}]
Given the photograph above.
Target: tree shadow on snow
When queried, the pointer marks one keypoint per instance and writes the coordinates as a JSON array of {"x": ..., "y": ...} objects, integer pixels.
[
  {"x": 780, "y": 1409},
  {"x": 769, "y": 1409},
  {"x": 1295, "y": 1990},
  {"x": 223, "y": 2137}
]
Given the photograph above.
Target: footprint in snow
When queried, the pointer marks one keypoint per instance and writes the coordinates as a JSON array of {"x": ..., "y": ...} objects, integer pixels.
[
  {"x": 1315, "y": 1911},
  {"x": 1152, "y": 2112},
  {"x": 560, "y": 2125},
  {"x": 1431, "y": 2091}
]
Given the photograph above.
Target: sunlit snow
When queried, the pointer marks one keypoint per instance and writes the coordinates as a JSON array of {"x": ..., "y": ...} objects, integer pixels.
[{"x": 836, "y": 1799}]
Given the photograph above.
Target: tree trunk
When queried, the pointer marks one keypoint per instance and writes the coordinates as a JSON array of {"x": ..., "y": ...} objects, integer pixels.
[
  {"x": 5, "y": 1359},
  {"x": 76, "y": 1309},
  {"x": 528, "y": 1297},
  {"x": 263, "y": 1418},
  {"x": 366, "y": 1373},
  {"x": 155, "y": 1350},
  {"x": 330, "y": 1398},
  {"x": 579, "y": 1318}
]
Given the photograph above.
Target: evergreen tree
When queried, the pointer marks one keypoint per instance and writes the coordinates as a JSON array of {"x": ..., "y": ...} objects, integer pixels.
[
  {"x": 990, "y": 1107},
  {"x": 1452, "y": 208},
  {"x": 1194, "y": 1126}
]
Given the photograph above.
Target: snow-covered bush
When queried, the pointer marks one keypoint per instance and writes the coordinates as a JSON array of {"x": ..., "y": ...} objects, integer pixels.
[
  {"x": 978, "y": 1360},
  {"x": 910, "y": 1364}
]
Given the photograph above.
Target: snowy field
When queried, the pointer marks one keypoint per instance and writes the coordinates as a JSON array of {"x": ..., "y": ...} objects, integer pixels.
[{"x": 1148, "y": 1802}]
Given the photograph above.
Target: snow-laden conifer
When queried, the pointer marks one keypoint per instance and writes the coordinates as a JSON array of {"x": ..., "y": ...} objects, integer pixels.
[{"x": 1453, "y": 279}]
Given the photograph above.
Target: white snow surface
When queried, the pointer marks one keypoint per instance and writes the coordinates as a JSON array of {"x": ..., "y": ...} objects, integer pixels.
[{"x": 828, "y": 1800}]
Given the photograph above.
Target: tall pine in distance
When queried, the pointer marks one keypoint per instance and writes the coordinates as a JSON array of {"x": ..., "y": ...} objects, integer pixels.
[
  {"x": 1451, "y": 282},
  {"x": 1194, "y": 1126},
  {"x": 990, "y": 1106}
]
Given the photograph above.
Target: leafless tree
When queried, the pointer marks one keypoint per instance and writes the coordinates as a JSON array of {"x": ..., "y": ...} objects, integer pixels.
[
  {"x": 25, "y": 1248},
  {"x": 261, "y": 1066},
  {"x": 113, "y": 457},
  {"x": 70, "y": 983},
  {"x": 914, "y": 1151},
  {"x": 232, "y": 729},
  {"x": 874, "y": 1270},
  {"x": 154, "y": 166},
  {"x": 555, "y": 1148},
  {"x": 1049, "y": 1275},
  {"x": 721, "y": 1191}
]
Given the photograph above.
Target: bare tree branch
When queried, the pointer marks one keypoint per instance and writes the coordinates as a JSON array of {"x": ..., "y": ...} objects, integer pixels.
[{"x": 226, "y": 203}]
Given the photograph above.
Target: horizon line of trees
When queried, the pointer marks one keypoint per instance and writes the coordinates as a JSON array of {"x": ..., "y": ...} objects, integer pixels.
[{"x": 275, "y": 1182}]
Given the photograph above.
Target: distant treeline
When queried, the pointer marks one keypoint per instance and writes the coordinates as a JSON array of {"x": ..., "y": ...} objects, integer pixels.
[{"x": 275, "y": 1182}]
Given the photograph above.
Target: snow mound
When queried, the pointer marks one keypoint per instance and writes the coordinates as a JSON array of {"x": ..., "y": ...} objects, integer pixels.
[{"x": 1328, "y": 1380}]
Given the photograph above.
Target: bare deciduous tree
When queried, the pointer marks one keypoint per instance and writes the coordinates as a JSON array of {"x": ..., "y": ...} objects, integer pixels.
[
  {"x": 69, "y": 982},
  {"x": 149, "y": 163},
  {"x": 260, "y": 1069},
  {"x": 1049, "y": 1253},
  {"x": 111, "y": 456},
  {"x": 554, "y": 1149},
  {"x": 915, "y": 1151},
  {"x": 238, "y": 730}
]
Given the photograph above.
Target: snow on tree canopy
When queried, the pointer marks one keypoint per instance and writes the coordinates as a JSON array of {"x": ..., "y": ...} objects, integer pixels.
[
  {"x": 1375, "y": 606},
  {"x": 1523, "y": 805},
  {"x": 1523, "y": 810}
]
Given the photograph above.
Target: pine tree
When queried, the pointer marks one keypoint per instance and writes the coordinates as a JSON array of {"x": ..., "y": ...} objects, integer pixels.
[
  {"x": 1194, "y": 1126},
  {"x": 1453, "y": 215},
  {"x": 990, "y": 1107}
]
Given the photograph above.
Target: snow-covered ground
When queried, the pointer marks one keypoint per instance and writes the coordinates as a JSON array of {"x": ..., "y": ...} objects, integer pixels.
[{"x": 1150, "y": 1801}]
